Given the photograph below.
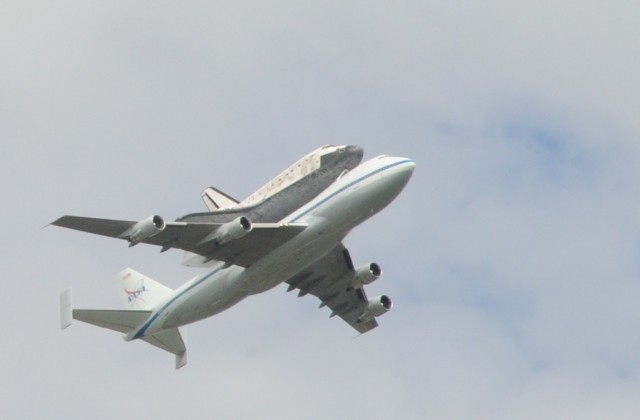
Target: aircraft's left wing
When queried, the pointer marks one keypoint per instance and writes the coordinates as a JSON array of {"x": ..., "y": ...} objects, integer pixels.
[
  {"x": 223, "y": 242},
  {"x": 331, "y": 279}
]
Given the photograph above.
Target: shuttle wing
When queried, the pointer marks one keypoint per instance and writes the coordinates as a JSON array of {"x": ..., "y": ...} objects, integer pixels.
[
  {"x": 330, "y": 279},
  {"x": 198, "y": 238}
]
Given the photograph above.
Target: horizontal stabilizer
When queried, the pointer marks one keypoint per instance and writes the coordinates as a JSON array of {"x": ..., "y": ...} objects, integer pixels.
[
  {"x": 173, "y": 341},
  {"x": 118, "y": 320},
  {"x": 124, "y": 322}
]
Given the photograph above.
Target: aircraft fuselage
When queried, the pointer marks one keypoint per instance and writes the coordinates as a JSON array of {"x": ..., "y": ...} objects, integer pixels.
[{"x": 353, "y": 198}]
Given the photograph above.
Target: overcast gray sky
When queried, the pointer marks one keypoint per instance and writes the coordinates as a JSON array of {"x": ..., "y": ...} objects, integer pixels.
[{"x": 512, "y": 256}]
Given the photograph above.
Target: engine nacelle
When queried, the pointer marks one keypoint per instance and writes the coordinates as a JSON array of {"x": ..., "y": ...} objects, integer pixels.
[
  {"x": 366, "y": 274},
  {"x": 232, "y": 230},
  {"x": 377, "y": 306},
  {"x": 146, "y": 228}
]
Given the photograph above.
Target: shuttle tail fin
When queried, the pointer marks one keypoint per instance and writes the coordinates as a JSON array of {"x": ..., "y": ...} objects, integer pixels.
[
  {"x": 139, "y": 292},
  {"x": 215, "y": 199}
]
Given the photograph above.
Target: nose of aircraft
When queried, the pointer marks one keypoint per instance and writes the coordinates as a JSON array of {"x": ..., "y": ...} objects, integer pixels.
[
  {"x": 409, "y": 165},
  {"x": 406, "y": 166},
  {"x": 402, "y": 172}
]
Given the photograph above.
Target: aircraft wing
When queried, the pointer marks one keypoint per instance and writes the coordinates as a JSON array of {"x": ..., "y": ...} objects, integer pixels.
[
  {"x": 199, "y": 238},
  {"x": 330, "y": 280}
]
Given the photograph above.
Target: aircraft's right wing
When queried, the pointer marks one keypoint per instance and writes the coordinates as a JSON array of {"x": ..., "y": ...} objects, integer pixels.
[
  {"x": 330, "y": 279},
  {"x": 231, "y": 242}
]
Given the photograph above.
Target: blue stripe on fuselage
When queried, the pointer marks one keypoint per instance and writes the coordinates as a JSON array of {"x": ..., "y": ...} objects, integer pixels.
[{"x": 155, "y": 316}]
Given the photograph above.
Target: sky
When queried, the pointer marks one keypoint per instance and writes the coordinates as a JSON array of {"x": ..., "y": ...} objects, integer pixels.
[{"x": 512, "y": 257}]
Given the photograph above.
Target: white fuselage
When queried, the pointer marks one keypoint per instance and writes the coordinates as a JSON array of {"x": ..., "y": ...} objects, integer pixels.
[{"x": 349, "y": 201}]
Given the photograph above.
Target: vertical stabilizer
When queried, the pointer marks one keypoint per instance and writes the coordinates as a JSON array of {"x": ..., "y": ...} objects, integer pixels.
[
  {"x": 215, "y": 199},
  {"x": 65, "y": 309},
  {"x": 139, "y": 292},
  {"x": 181, "y": 360}
]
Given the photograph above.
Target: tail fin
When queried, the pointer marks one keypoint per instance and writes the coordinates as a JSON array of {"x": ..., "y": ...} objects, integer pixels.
[
  {"x": 138, "y": 291},
  {"x": 215, "y": 199}
]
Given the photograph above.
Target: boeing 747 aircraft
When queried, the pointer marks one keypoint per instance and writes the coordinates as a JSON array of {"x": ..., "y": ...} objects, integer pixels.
[{"x": 291, "y": 230}]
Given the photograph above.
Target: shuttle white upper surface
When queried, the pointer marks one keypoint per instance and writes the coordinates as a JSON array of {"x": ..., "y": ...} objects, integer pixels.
[{"x": 294, "y": 173}]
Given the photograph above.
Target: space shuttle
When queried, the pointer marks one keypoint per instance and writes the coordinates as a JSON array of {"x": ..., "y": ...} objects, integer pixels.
[{"x": 292, "y": 188}]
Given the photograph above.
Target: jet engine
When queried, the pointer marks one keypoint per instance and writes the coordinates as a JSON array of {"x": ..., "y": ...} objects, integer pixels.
[
  {"x": 232, "y": 230},
  {"x": 367, "y": 274},
  {"x": 377, "y": 306},
  {"x": 146, "y": 228}
]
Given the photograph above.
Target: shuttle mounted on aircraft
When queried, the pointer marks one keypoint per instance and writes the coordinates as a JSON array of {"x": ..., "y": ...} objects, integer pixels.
[{"x": 289, "y": 231}]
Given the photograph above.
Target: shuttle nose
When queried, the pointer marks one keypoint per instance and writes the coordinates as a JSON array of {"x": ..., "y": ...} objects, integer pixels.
[{"x": 355, "y": 151}]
